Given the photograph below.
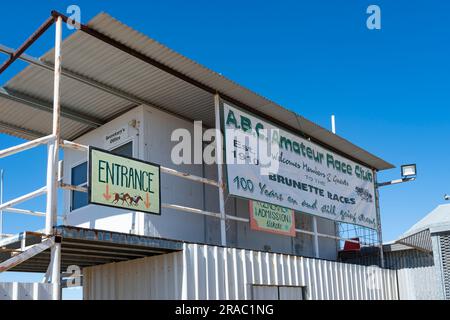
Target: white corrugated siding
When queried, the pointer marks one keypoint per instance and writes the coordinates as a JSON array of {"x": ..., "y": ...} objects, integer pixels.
[
  {"x": 26, "y": 291},
  {"x": 420, "y": 283},
  {"x": 208, "y": 272}
]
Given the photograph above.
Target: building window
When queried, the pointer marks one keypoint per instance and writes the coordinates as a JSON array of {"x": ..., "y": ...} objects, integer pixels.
[
  {"x": 79, "y": 176},
  {"x": 125, "y": 150}
]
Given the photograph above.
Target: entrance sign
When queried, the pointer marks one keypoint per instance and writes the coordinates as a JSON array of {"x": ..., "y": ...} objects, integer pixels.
[
  {"x": 123, "y": 182},
  {"x": 269, "y": 164},
  {"x": 271, "y": 218}
]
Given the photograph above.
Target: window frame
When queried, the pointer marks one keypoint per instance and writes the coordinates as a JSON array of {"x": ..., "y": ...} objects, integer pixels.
[
  {"x": 86, "y": 184},
  {"x": 76, "y": 164},
  {"x": 122, "y": 144}
]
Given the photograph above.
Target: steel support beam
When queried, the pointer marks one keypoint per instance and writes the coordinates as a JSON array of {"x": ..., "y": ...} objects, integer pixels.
[
  {"x": 124, "y": 48},
  {"x": 89, "y": 82},
  {"x": 77, "y": 77},
  {"x": 23, "y": 198},
  {"x": 315, "y": 237},
  {"x": 56, "y": 270},
  {"x": 27, "y": 254},
  {"x": 191, "y": 210},
  {"x": 52, "y": 167},
  {"x": 398, "y": 181},
  {"x": 220, "y": 178},
  {"x": 1, "y": 202},
  {"x": 13, "y": 57},
  {"x": 378, "y": 212},
  {"x": 53, "y": 147},
  {"x": 26, "y": 212},
  {"x": 100, "y": 36},
  {"x": 25, "y": 146},
  {"x": 47, "y": 107},
  {"x": 30, "y": 134}
]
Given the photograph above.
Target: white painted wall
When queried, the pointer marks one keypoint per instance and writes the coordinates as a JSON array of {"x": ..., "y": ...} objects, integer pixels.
[
  {"x": 158, "y": 128},
  {"x": 207, "y": 272},
  {"x": 100, "y": 217},
  {"x": 152, "y": 142}
]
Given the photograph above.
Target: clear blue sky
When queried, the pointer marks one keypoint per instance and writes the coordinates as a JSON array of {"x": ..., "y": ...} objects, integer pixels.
[{"x": 389, "y": 88}]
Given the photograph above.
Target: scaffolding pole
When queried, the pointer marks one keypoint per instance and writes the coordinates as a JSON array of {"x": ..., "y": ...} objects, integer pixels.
[
  {"x": 52, "y": 167},
  {"x": 1, "y": 202},
  {"x": 315, "y": 237},
  {"x": 219, "y": 161},
  {"x": 379, "y": 230}
]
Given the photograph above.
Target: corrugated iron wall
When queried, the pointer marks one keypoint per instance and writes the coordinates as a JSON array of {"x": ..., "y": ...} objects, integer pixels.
[
  {"x": 444, "y": 240},
  {"x": 417, "y": 274},
  {"x": 208, "y": 272},
  {"x": 408, "y": 259},
  {"x": 419, "y": 283},
  {"x": 26, "y": 291}
]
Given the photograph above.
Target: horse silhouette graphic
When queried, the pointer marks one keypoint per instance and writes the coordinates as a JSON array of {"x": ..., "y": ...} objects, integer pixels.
[{"x": 126, "y": 198}]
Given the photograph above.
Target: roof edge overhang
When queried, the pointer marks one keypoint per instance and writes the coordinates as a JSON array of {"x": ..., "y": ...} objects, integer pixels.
[
  {"x": 315, "y": 133},
  {"x": 420, "y": 240}
]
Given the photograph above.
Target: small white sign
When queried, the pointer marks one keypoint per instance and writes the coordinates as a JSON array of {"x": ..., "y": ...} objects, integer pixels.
[{"x": 116, "y": 137}]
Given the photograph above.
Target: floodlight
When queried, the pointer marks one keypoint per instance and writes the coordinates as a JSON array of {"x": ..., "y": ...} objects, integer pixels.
[{"x": 409, "y": 170}]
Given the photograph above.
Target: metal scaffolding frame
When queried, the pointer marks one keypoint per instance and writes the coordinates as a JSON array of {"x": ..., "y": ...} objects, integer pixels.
[{"x": 54, "y": 142}]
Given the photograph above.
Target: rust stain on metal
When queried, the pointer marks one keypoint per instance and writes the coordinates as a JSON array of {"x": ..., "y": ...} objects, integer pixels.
[{"x": 13, "y": 57}]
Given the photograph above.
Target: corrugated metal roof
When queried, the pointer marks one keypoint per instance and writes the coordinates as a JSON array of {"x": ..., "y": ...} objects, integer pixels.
[
  {"x": 97, "y": 60},
  {"x": 419, "y": 235},
  {"x": 420, "y": 240},
  {"x": 437, "y": 220},
  {"x": 394, "y": 246},
  {"x": 19, "y": 118}
]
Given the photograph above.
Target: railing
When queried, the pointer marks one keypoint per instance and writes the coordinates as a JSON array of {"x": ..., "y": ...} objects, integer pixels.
[
  {"x": 23, "y": 198},
  {"x": 26, "y": 146},
  {"x": 9, "y": 205},
  {"x": 83, "y": 148},
  {"x": 48, "y": 241}
]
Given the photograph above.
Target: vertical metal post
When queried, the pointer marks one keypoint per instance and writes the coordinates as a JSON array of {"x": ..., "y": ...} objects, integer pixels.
[
  {"x": 336, "y": 224},
  {"x": 219, "y": 161},
  {"x": 56, "y": 271},
  {"x": 52, "y": 168},
  {"x": 53, "y": 146},
  {"x": 333, "y": 124},
  {"x": 1, "y": 202},
  {"x": 379, "y": 231},
  {"x": 316, "y": 237}
]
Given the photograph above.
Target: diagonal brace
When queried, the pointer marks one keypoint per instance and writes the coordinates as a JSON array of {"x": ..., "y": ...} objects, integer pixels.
[{"x": 27, "y": 254}]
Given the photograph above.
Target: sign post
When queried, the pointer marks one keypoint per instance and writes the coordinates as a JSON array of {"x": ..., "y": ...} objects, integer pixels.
[
  {"x": 379, "y": 231},
  {"x": 123, "y": 182},
  {"x": 51, "y": 216},
  {"x": 219, "y": 161}
]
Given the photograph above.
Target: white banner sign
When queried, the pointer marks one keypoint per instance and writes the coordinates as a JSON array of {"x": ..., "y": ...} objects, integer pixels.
[{"x": 268, "y": 164}]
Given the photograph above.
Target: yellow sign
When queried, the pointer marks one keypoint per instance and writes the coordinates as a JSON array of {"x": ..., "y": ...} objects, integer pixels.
[
  {"x": 123, "y": 182},
  {"x": 271, "y": 218}
]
